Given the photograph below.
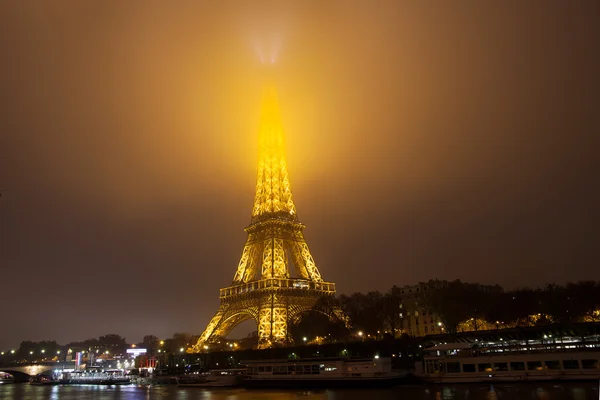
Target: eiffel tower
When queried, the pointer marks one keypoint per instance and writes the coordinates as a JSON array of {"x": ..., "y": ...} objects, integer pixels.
[{"x": 262, "y": 288}]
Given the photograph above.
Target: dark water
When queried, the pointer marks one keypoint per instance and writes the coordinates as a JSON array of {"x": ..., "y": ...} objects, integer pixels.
[{"x": 576, "y": 391}]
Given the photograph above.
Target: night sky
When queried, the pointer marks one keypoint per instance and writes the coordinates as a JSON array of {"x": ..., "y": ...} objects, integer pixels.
[{"x": 424, "y": 139}]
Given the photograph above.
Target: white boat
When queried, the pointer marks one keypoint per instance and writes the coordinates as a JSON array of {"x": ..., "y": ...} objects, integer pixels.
[
  {"x": 321, "y": 372},
  {"x": 509, "y": 362},
  {"x": 214, "y": 378},
  {"x": 94, "y": 377}
]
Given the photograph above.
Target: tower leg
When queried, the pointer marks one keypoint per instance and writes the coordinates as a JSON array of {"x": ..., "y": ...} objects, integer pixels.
[
  {"x": 210, "y": 328},
  {"x": 272, "y": 322}
]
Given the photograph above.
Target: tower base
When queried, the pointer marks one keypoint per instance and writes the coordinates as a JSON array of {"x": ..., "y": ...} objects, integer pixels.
[{"x": 273, "y": 303}]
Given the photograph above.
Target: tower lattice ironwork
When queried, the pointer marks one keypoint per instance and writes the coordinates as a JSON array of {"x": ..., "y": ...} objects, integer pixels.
[{"x": 262, "y": 288}]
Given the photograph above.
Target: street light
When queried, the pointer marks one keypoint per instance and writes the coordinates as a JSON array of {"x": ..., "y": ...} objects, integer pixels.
[
  {"x": 57, "y": 351},
  {"x": 43, "y": 351},
  {"x": 304, "y": 338},
  {"x": 181, "y": 350},
  {"x": 360, "y": 333},
  {"x": 162, "y": 342},
  {"x": 12, "y": 352}
]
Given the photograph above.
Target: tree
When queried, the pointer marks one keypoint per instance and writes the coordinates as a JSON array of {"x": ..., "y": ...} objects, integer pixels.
[
  {"x": 449, "y": 304},
  {"x": 150, "y": 343},
  {"x": 584, "y": 299},
  {"x": 364, "y": 311},
  {"x": 390, "y": 310},
  {"x": 250, "y": 341},
  {"x": 113, "y": 343},
  {"x": 177, "y": 342},
  {"x": 311, "y": 324},
  {"x": 325, "y": 319},
  {"x": 554, "y": 301}
]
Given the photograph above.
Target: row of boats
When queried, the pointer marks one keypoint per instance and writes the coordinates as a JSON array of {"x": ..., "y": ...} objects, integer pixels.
[
  {"x": 443, "y": 363},
  {"x": 491, "y": 362}
]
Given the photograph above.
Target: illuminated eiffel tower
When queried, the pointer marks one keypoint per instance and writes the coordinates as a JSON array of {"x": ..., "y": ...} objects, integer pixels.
[{"x": 262, "y": 287}]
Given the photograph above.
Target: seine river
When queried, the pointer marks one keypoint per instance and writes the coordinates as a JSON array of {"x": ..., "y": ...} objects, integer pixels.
[{"x": 575, "y": 391}]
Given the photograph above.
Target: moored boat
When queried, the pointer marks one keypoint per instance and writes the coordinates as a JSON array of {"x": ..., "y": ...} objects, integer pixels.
[
  {"x": 214, "y": 378},
  {"x": 321, "y": 372},
  {"x": 108, "y": 377},
  {"x": 509, "y": 362},
  {"x": 6, "y": 378},
  {"x": 44, "y": 380}
]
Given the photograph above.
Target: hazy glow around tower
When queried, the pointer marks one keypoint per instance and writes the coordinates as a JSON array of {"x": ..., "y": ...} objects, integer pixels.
[
  {"x": 273, "y": 191},
  {"x": 267, "y": 49}
]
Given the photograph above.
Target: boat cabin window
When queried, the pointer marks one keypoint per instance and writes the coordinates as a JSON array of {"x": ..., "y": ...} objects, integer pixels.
[
  {"x": 589, "y": 364},
  {"x": 453, "y": 367},
  {"x": 571, "y": 364},
  {"x": 433, "y": 367},
  {"x": 291, "y": 369},
  {"x": 306, "y": 369},
  {"x": 261, "y": 369},
  {"x": 280, "y": 370},
  {"x": 552, "y": 364},
  {"x": 517, "y": 366},
  {"x": 534, "y": 365},
  {"x": 487, "y": 367},
  {"x": 315, "y": 369},
  {"x": 500, "y": 366},
  {"x": 469, "y": 368}
]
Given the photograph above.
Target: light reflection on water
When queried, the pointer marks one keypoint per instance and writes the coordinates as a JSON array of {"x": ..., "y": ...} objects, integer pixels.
[{"x": 547, "y": 391}]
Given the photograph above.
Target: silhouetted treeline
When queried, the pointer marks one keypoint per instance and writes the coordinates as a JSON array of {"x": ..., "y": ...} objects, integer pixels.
[{"x": 456, "y": 306}]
